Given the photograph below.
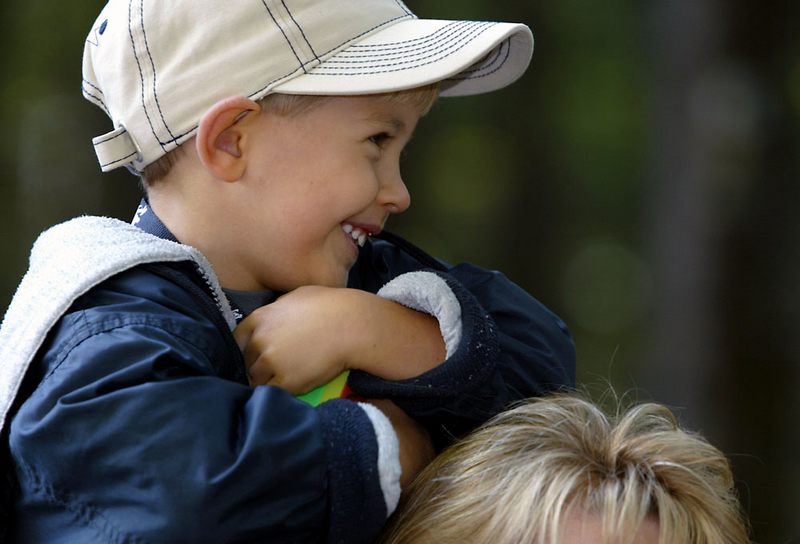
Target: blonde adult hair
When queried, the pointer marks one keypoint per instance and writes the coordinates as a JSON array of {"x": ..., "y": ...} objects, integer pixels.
[
  {"x": 515, "y": 479},
  {"x": 288, "y": 105}
]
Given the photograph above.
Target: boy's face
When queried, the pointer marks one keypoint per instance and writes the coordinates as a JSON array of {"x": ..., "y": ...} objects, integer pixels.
[{"x": 316, "y": 179}]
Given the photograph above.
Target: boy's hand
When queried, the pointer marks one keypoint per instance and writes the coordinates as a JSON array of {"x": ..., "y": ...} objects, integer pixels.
[
  {"x": 310, "y": 335},
  {"x": 296, "y": 342}
]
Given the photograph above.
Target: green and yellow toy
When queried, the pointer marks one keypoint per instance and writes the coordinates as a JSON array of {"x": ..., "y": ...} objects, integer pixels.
[{"x": 334, "y": 389}]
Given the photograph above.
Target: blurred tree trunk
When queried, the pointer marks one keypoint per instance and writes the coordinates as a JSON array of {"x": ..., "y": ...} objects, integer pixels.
[
  {"x": 761, "y": 313},
  {"x": 724, "y": 311},
  {"x": 683, "y": 216}
]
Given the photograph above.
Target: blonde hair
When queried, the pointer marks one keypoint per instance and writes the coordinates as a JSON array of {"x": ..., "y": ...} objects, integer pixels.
[
  {"x": 288, "y": 105},
  {"x": 516, "y": 478}
]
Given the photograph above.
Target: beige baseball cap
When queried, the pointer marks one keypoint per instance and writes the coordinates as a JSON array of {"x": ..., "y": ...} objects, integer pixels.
[{"x": 156, "y": 66}]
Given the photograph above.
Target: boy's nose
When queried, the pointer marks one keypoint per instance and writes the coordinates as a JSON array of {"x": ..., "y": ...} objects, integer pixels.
[{"x": 395, "y": 196}]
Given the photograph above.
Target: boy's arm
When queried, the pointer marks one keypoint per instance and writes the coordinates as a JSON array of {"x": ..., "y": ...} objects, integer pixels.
[
  {"x": 499, "y": 343},
  {"x": 133, "y": 420},
  {"x": 163, "y": 452},
  {"x": 511, "y": 346},
  {"x": 310, "y": 335}
]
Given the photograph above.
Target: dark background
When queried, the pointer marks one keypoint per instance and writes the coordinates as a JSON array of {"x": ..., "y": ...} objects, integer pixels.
[{"x": 641, "y": 180}]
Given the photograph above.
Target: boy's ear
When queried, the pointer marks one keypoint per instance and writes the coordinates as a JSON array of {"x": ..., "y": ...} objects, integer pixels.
[{"x": 221, "y": 136}]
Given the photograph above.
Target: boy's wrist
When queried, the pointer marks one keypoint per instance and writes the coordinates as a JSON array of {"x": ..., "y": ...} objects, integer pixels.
[
  {"x": 394, "y": 342},
  {"x": 430, "y": 293},
  {"x": 415, "y": 449}
]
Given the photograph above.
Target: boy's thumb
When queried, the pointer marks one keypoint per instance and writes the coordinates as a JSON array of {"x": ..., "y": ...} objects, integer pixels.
[{"x": 243, "y": 332}]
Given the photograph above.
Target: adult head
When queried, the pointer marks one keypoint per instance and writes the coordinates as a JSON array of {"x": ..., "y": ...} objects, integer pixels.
[{"x": 561, "y": 471}]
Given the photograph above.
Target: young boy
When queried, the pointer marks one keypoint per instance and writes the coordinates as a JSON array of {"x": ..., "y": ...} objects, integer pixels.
[{"x": 268, "y": 136}]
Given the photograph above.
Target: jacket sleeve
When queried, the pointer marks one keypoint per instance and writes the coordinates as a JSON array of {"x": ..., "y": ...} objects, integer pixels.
[
  {"x": 511, "y": 346},
  {"x": 133, "y": 435}
]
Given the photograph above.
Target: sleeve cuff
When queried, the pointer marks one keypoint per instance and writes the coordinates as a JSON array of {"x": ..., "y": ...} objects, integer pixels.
[
  {"x": 389, "y": 469},
  {"x": 459, "y": 376},
  {"x": 356, "y": 505},
  {"x": 426, "y": 292}
]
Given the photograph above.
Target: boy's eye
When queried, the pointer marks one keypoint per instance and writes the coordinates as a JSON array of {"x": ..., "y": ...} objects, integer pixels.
[{"x": 379, "y": 139}]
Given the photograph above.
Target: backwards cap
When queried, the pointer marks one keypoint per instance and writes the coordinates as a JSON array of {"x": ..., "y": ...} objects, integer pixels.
[{"x": 156, "y": 66}]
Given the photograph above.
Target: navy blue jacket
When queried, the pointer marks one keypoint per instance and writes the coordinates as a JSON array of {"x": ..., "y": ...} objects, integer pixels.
[{"x": 138, "y": 424}]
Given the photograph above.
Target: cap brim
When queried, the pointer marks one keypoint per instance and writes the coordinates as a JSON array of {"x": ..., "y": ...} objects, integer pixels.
[{"x": 467, "y": 57}]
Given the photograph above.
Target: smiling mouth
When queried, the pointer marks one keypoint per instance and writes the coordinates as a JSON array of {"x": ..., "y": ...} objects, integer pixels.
[{"x": 358, "y": 235}]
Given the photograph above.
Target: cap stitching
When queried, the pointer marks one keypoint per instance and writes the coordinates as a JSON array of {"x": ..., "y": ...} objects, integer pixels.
[
  {"x": 486, "y": 67},
  {"x": 118, "y": 160},
  {"x": 97, "y": 99},
  {"x": 285, "y": 37},
  {"x": 463, "y": 41},
  {"x": 453, "y": 42},
  {"x": 114, "y": 137},
  {"x": 411, "y": 67},
  {"x": 507, "y": 45},
  {"x": 95, "y": 87},
  {"x": 433, "y": 39},
  {"x": 300, "y": 28},
  {"x": 422, "y": 39},
  {"x": 485, "y": 63},
  {"x": 403, "y": 7},
  {"x": 141, "y": 74},
  {"x": 176, "y": 139},
  {"x": 365, "y": 32},
  {"x": 153, "y": 65}
]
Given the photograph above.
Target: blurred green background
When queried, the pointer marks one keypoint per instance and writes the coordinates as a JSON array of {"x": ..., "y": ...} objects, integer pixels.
[{"x": 641, "y": 180}]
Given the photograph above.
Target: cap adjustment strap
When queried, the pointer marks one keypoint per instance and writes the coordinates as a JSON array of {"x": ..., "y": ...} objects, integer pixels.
[{"x": 115, "y": 149}]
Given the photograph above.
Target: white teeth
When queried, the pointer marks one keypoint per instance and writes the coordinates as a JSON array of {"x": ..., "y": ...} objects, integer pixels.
[{"x": 357, "y": 234}]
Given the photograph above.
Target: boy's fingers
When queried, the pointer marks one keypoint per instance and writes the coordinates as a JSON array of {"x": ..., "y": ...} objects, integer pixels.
[
  {"x": 296, "y": 385},
  {"x": 259, "y": 374},
  {"x": 283, "y": 382},
  {"x": 242, "y": 333}
]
